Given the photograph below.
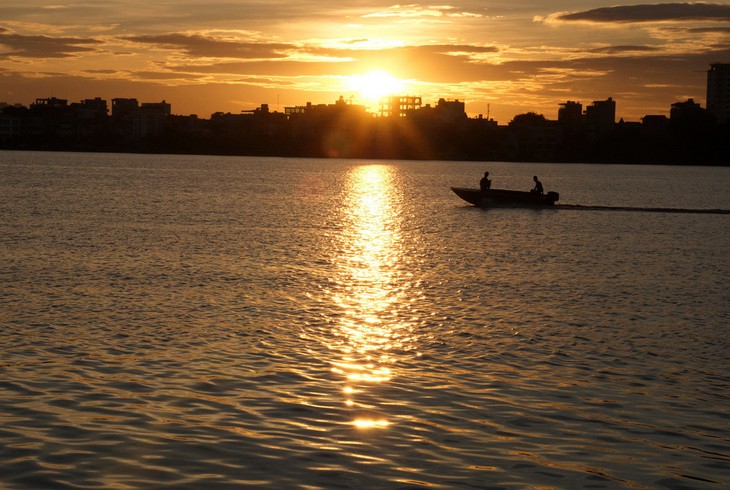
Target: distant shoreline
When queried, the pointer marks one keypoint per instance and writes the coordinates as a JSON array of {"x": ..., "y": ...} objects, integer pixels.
[
  {"x": 690, "y": 136},
  {"x": 324, "y": 157}
]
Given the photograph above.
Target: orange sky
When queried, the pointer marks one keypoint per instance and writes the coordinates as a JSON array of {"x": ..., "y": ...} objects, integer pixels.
[{"x": 204, "y": 56}]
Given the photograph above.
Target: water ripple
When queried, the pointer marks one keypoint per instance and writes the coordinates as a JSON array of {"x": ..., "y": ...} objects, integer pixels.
[{"x": 174, "y": 322}]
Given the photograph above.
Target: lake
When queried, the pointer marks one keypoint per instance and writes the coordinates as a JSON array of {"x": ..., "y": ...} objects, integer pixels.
[{"x": 228, "y": 322}]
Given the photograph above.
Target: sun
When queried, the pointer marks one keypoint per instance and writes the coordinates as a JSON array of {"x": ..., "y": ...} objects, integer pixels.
[{"x": 375, "y": 84}]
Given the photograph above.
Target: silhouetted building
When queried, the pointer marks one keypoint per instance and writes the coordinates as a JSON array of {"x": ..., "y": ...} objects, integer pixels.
[
  {"x": 399, "y": 105},
  {"x": 309, "y": 109},
  {"x": 46, "y": 117},
  {"x": 410, "y": 131},
  {"x": 572, "y": 120},
  {"x": 131, "y": 119},
  {"x": 654, "y": 124},
  {"x": 685, "y": 110},
  {"x": 11, "y": 119},
  {"x": 95, "y": 108},
  {"x": 85, "y": 119},
  {"x": 300, "y": 109},
  {"x": 158, "y": 108},
  {"x": 149, "y": 120},
  {"x": 531, "y": 136},
  {"x": 225, "y": 121},
  {"x": 601, "y": 117},
  {"x": 450, "y": 110},
  {"x": 445, "y": 111},
  {"x": 570, "y": 114},
  {"x": 324, "y": 110},
  {"x": 689, "y": 119},
  {"x": 718, "y": 91},
  {"x": 262, "y": 110},
  {"x": 51, "y": 103},
  {"x": 248, "y": 120},
  {"x": 123, "y": 111},
  {"x": 124, "y": 107}
]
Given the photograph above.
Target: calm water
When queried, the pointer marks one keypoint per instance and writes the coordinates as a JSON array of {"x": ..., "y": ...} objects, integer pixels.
[{"x": 207, "y": 322}]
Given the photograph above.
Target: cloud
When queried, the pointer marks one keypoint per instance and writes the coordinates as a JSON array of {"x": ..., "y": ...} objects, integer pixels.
[
  {"x": 710, "y": 30},
  {"x": 404, "y": 51},
  {"x": 443, "y": 62},
  {"x": 418, "y": 11},
  {"x": 650, "y": 13},
  {"x": 44, "y": 46},
  {"x": 198, "y": 45},
  {"x": 624, "y": 49},
  {"x": 460, "y": 48},
  {"x": 161, "y": 75}
]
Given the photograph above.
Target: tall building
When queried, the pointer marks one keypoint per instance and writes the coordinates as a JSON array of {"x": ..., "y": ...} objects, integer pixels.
[
  {"x": 150, "y": 119},
  {"x": 570, "y": 117},
  {"x": 718, "y": 91},
  {"x": 570, "y": 112},
  {"x": 601, "y": 116}
]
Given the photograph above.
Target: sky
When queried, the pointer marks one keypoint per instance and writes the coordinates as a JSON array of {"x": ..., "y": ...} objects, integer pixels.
[{"x": 501, "y": 58}]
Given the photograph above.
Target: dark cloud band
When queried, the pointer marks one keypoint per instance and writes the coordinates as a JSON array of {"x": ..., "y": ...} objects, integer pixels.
[
  {"x": 44, "y": 46},
  {"x": 198, "y": 45},
  {"x": 652, "y": 13}
]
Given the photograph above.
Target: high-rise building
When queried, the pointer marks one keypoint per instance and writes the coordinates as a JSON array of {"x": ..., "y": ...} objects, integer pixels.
[
  {"x": 718, "y": 91},
  {"x": 570, "y": 117},
  {"x": 601, "y": 116},
  {"x": 570, "y": 112}
]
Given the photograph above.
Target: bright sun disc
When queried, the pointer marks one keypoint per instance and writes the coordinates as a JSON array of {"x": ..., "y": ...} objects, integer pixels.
[{"x": 375, "y": 84}]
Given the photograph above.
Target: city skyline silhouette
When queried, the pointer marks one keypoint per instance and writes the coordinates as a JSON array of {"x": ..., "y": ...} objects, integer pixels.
[
  {"x": 502, "y": 58},
  {"x": 405, "y": 128}
]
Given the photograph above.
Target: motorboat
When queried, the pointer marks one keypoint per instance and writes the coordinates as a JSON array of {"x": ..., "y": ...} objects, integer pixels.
[{"x": 505, "y": 198}]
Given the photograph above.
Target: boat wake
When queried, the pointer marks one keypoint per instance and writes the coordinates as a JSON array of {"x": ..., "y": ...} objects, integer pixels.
[{"x": 580, "y": 207}]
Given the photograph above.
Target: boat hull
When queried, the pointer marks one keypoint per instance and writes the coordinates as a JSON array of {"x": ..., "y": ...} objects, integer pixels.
[{"x": 505, "y": 198}]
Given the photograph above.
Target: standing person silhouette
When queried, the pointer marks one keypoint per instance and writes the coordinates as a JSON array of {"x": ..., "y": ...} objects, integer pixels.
[
  {"x": 485, "y": 184},
  {"x": 538, "y": 186}
]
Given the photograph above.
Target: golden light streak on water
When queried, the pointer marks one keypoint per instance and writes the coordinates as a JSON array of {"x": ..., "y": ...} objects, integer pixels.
[
  {"x": 369, "y": 290},
  {"x": 370, "y": 423}
]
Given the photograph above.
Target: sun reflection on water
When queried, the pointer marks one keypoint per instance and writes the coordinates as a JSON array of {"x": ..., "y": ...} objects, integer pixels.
[{"x": 370, "y": 290}]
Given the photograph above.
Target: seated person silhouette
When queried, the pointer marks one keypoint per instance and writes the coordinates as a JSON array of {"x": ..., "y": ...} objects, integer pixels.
[
  {"x": 485, "y": 184},
  {"x": 538, "y": 186}
]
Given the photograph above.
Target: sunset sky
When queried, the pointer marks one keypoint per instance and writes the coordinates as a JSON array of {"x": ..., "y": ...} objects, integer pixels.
[{"x": 205, "y": 56}]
